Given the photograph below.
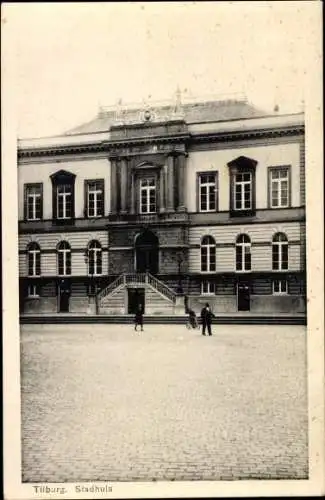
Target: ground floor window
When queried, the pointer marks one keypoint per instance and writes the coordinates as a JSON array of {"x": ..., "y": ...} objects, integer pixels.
[
  {"x": 92, "y": 289},
  {"x": 33, "y": 291},
  {"x": 280, "y": 287},
  {"x": 208, "y": 287}
]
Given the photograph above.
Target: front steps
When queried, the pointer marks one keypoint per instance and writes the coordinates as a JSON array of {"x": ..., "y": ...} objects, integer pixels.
[
  {"x": 235, "y": 319},
  {"x": 159, "y": 299}
]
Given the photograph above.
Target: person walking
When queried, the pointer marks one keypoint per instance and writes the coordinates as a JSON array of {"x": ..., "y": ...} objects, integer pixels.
[
  {"x": 206, "y": 317},
  {"x": 138, "y": 320}
]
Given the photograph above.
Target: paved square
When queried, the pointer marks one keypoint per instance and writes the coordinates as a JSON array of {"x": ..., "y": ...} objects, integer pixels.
[{"x": 100, "y": 402}]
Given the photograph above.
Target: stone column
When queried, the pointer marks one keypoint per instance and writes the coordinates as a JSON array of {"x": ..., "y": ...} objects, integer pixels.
[
  {"x": 113, "y": 185},
  {"x": 181, "y": 182},
  {"x": 162, "y": 190},
  {"x": 170, "y": 184},
  {"x": 124, "y": 185}
]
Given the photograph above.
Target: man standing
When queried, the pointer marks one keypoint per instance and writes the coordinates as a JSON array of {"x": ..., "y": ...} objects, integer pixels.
[
  {"x": 138, "y": 320},
  {"x": 206, "y": 317}
]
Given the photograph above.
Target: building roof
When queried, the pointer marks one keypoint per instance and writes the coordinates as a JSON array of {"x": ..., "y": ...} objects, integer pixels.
[{"x": 192, "y": 112}]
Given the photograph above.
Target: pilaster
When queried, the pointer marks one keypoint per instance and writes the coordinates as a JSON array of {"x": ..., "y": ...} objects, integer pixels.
[
  {"x": 170, "y": 184},
  {"x": 113, "y": 185},
  {"x": 181, "y": 159}
]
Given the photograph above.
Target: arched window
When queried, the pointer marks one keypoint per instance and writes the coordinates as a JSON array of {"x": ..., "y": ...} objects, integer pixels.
[
  {"x": 208, "y": 254},
  {"x": 243, "y": 253},
  {"x": 64, "y": 259},
  {"x": 280, "y": 252},
  {"x": 34, "y": 259},
  {"x": 94, "y": 258}
]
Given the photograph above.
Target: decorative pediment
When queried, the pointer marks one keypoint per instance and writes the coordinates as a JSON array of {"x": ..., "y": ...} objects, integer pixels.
[
  {"x": 243, "y": 163},
  {"x": 62, "y": 177}
]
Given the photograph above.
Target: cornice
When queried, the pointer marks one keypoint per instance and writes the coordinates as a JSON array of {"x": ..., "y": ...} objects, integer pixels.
[
  {"x": 188, "y": 138},
  {"x": 265, "y": 133}
]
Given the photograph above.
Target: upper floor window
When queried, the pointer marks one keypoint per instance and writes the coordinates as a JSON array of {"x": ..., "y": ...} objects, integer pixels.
[
  {"x": 64, "y": 201},
  {"x": 208, "y": 192},
  {"x": 279, "y": 187},
  {"x": 94, "y": 258},
  {"x": 34, "y": 259},
  {"x": 33, "y": 201},
  {"x": 64, "y": 259},
  {"x": 94, "y": 198},
  {"x": 208, "y": 254},
  {"x": 243, "y": 253},
  {"x": 148, "y": 195},
  {"x": 63, "y": 195},
  {"x": 280, "y": 252},
  {"x": 243, "y": 191},
  {"x": 242, "y": 186}
]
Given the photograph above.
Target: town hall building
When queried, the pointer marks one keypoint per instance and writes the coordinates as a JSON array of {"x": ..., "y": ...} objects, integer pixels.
[{"x": 169, "y": 206}]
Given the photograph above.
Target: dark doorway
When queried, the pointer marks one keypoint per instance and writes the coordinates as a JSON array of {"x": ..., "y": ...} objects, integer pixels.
[
  {"x": 147, "y": 253},
  {"x": 64, "y": 293},
  {"x": 243, "y": 296},
  {"x": 135, "y": 299}
]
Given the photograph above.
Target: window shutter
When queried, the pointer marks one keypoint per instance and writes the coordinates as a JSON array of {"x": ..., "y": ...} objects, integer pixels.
[
  {"x": 198, "y": 208},
  {"x": 25, "y": 201},
  {"x": 72, "y": 201},
  {"x": 54, "y": 201},
  {"x": 86, "y": 199},
  {"x": 102, "y": 198},
  {"x": 41, "y": 204},
  {"x": 216, "y": 191}
]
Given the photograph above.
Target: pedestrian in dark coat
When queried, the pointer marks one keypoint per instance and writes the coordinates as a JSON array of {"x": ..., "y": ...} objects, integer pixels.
[
  {"x": 206, "y": 317},
  {"x": 138, "y": 320}
]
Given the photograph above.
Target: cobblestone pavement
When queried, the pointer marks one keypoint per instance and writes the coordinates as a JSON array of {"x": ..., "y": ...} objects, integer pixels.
[{"x": 100, "y": 402}]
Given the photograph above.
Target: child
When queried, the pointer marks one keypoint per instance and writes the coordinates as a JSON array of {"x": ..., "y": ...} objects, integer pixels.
[
  {"x": 192, "y": 320},
  {"x": 138, "y": 320}
]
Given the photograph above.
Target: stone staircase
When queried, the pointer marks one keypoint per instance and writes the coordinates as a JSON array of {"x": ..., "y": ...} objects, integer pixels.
[{"x": 159, "y": 298}]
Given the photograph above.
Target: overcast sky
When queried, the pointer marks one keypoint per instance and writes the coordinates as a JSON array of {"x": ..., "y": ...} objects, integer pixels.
[{"x": 71, "y": 58}]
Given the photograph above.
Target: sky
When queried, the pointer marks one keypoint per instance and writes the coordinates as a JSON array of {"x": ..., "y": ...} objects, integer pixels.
[{"x": 70, "y": 58}]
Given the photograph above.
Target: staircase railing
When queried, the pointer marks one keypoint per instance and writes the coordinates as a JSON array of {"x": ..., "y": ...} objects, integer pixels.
[
  {"x": 116, "y": 283},
  {"x": 138, "y": 278},
  {"x": 161, "y": 287}
]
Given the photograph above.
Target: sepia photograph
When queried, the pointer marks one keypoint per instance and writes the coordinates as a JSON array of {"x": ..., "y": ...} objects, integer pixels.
[{"x": 163, "y": 181}]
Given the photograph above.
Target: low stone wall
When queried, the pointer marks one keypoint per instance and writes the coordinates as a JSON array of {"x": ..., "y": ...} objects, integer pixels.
[
  {"x": 277, "y": 303},
  {"x": 40, "y": 305}
]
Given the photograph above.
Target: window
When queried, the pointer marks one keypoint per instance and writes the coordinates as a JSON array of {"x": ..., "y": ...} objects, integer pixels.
[
  {"x": 63, "y": 196},
  {"x": 95, "y": 198},
  {"x": 33, "y": 201},
  {"x": 208, "y": 254},
  {"x": 148, "y": 196},
  {"x": 33, "y": 291},
  {"x": 64, "y": 201},
  {"x": 243, "y": 253},
  {"x": 279, "y": 187},
  {"x": 64, "y": 259},
  {"x": 280, "y": 287},
  {"x": 208, "y": 288},
  {"x": 243, "y": 191},
  {"x": 242, "y": 186},
  {"x": 280, "y": 252},
  {"x": 34, "y": 259},
  {"x": 208, "y": 192},
  {"x": 94, "y": 258}
]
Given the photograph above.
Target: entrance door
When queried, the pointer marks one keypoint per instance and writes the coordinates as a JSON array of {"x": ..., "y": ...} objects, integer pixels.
[
  {"x": 64, "y": 296},
  {"x": 243, "y": 297},
  {"x": 135, "y": 299},
  {"x": 147, "y": 253}
]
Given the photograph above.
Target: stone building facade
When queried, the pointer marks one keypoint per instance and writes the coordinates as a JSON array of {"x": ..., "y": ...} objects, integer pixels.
[{"x": 165, "y": 206}]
